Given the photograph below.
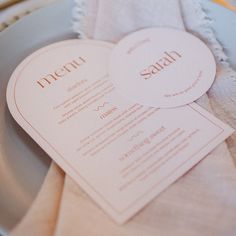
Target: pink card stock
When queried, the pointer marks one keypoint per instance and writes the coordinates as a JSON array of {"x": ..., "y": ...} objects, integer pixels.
[
  {"x": 123, "y": 154},
  {"x": 162, "y": 67}
]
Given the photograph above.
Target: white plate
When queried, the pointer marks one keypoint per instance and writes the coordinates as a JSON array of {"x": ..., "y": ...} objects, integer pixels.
[
  {"x": 22, "y": 164},
  {"x": 224, "y": 25}
]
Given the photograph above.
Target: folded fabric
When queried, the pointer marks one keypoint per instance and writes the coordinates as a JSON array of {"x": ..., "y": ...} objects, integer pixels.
[{"x": 203, "y": 201}]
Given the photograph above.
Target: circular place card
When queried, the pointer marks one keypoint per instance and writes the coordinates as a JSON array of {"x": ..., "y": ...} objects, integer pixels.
[{"x": 162, "y": 67}]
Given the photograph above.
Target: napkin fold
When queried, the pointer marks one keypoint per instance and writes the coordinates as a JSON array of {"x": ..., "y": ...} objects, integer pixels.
[{"x": 203, "y": 201}]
